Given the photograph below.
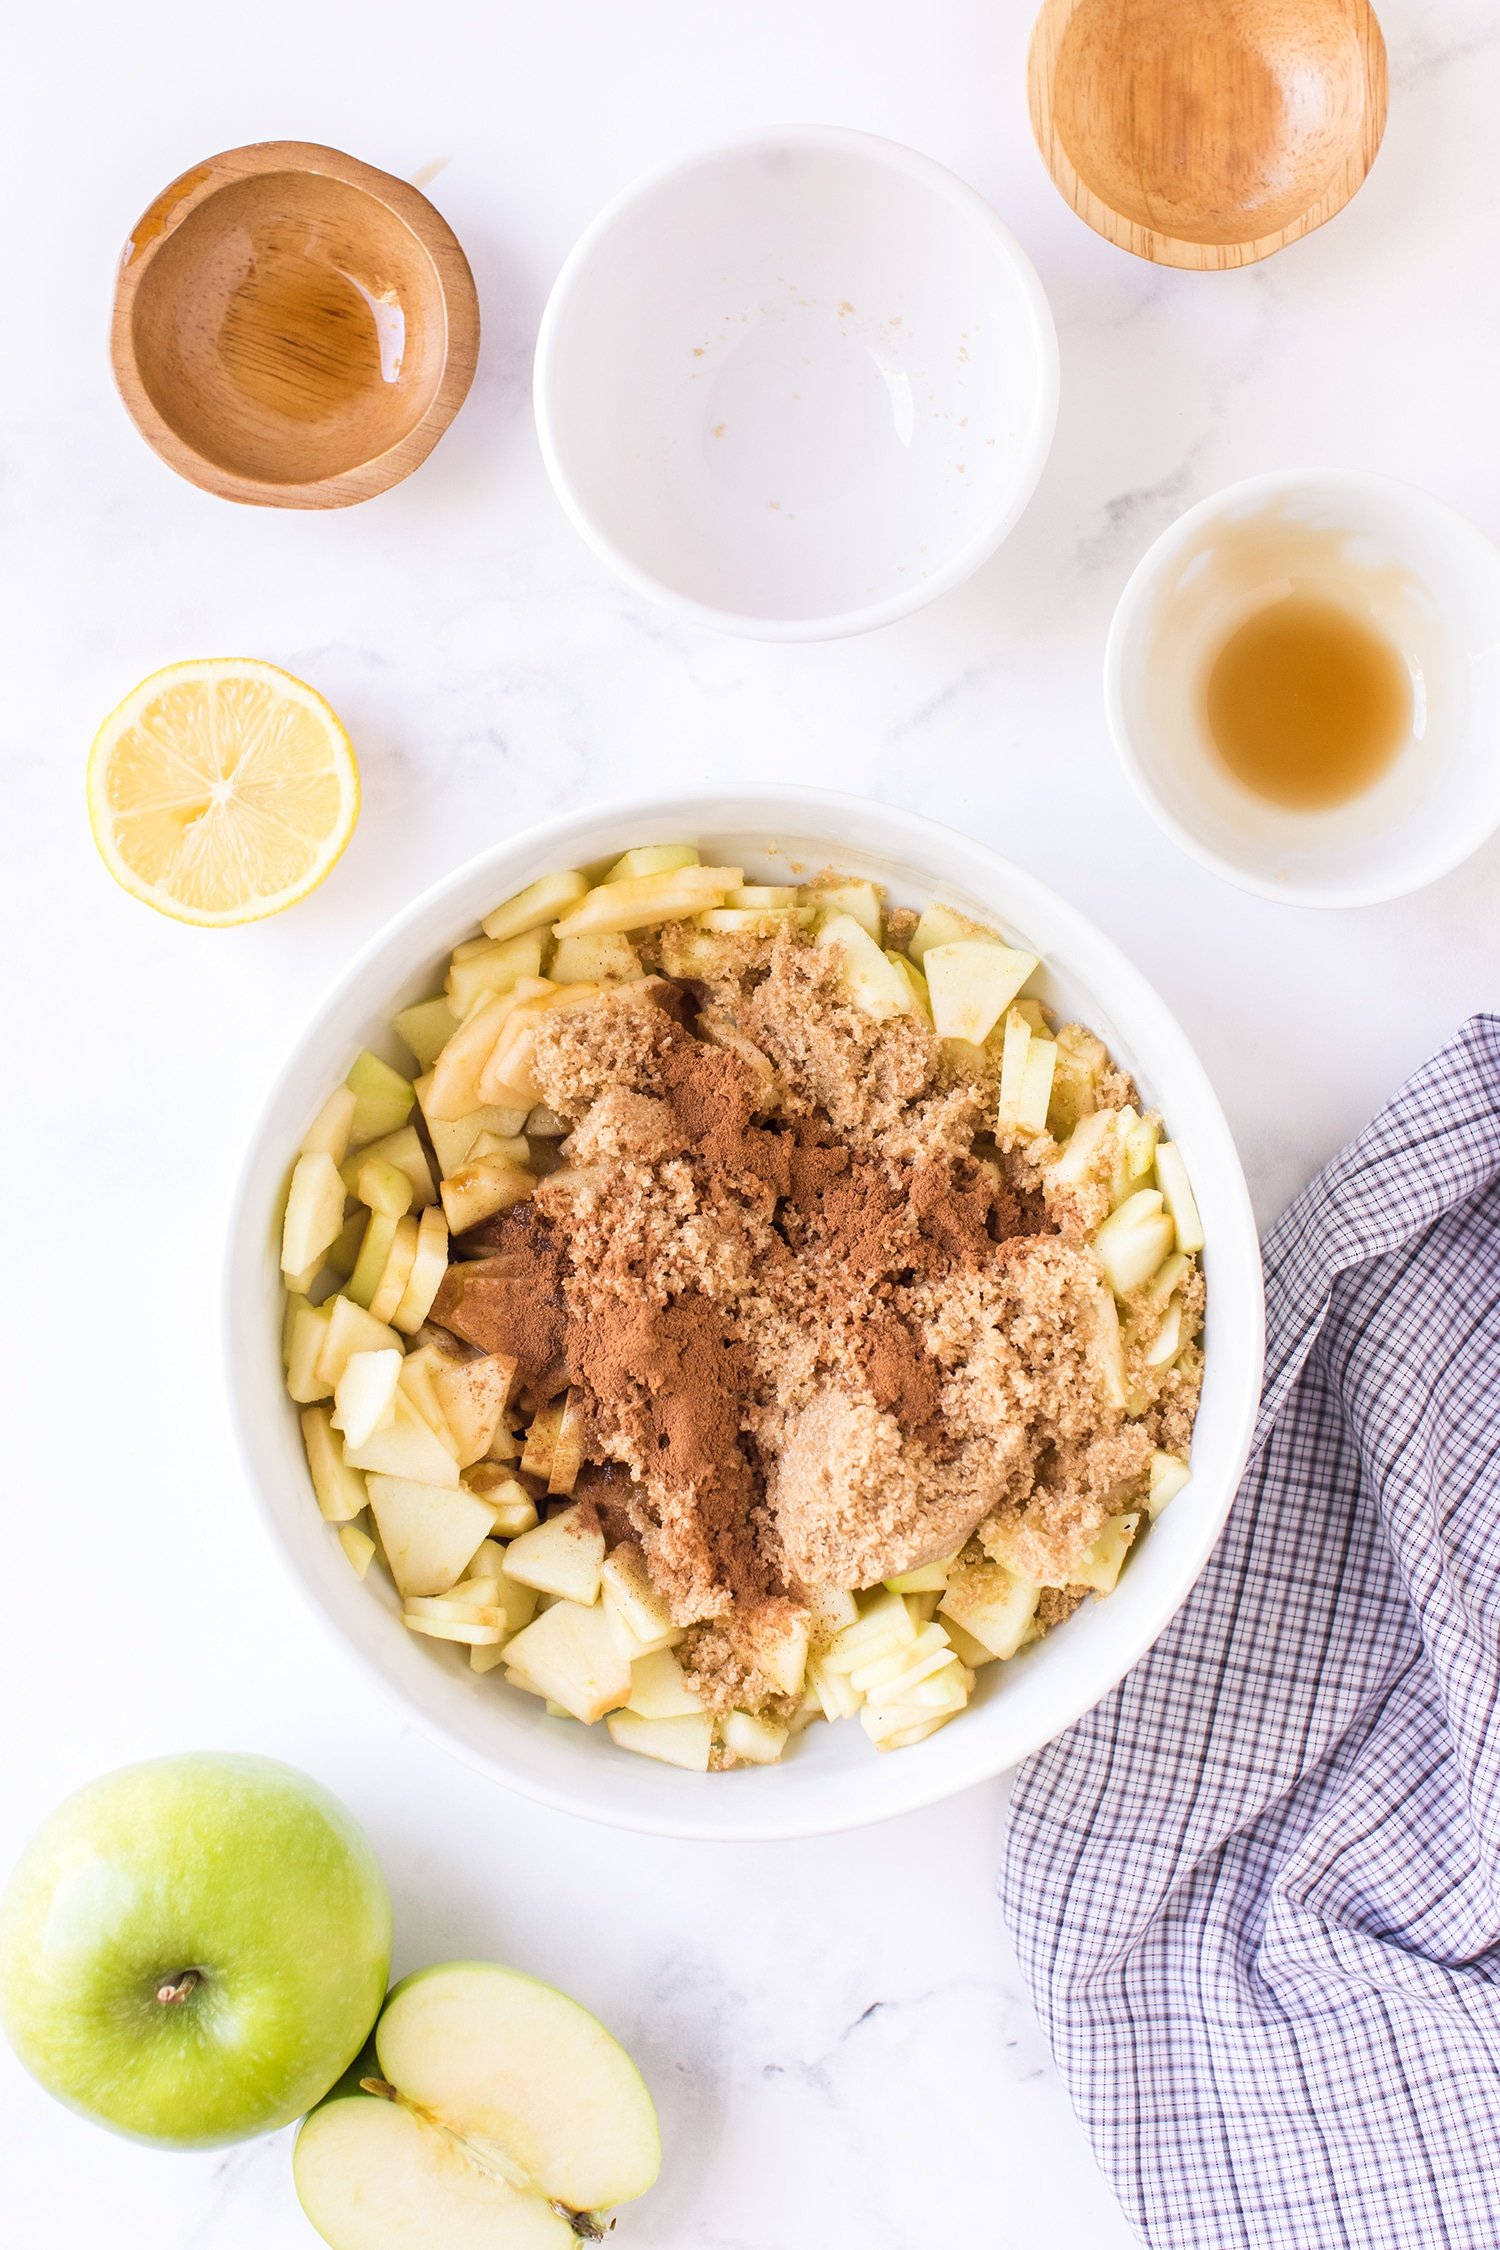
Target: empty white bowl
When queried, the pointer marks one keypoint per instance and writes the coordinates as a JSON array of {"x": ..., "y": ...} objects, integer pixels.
[
  {"x": 798, "y": 385},
  {"x": 831, "y": 1777},
  {"x": 1419, "y": 573}
]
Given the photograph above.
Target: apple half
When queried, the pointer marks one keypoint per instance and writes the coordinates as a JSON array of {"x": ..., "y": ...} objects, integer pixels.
[{"x": 498, "y": 2115}]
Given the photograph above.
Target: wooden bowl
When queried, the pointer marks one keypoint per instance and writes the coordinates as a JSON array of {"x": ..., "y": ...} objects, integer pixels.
[
  {"x": 1207, "y": 135},
  {"x": 293, "y": 328}
]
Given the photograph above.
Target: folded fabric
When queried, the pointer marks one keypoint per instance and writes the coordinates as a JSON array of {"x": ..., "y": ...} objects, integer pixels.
[{"x": 1256, "y": 1893}]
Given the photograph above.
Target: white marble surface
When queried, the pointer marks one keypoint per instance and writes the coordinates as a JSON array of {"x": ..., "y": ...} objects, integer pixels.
[{"x": 835, "y": 2030}]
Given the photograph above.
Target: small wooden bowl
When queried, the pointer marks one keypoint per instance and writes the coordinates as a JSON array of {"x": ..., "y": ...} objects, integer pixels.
[
  {"x": 1207, "y": 135},
  {"x": 293, "y": 328}
]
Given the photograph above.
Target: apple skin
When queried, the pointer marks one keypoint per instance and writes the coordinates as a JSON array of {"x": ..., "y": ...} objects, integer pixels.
[{"x": 237, "y": 1867}]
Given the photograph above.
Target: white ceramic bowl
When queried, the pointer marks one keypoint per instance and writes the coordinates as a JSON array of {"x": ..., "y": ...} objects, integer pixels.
[
  {"x": 1420, "y": 573},
  {"x": 798, "y": 385},
  {"x": 832, "y": 1778}
]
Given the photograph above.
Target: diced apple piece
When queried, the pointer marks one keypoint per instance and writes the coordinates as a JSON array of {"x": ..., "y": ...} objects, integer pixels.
[
  {"x": 515, "y": 1510},
  {"x": 859, "y": 900},
  {"x": 1133, "y": 1241},
  {"x": 411, "y": 1449},
  {"x": 569, "y": 1444},
  {"x": 340, "y": 1490},
  {"x": 870, "y": 982},
  {"x": 831, "y": 1610},
  {"x": 690, "y": 952},
  {"x": 752, "y": 921},
  {"x": 641, "y": 902},
  {"x": 836, "y": 1697},
  {"x": 1100, "y": 1567},
  {"x": 541, "y": 902},
  {"x": 652, "y": 859},
  {"x": 519, "y": 1603},
  {"x": 350, "y": 1329},
  {"x": 1081, "y": 1061},
  {"x": 448, "y": 1617},
  {"x": 508, "y": 1074},
  {"x": 358, "y": 1546},
  {"x": 541, "y": 1440},
  {"x": 314, "y": 1213},
  {"x": 452, "y": 1088},
  {"x": 419, "y": 1386},
  {"x": 396, "y": 1272},
  {"x": 682, "y": 1742},
  {"x": 480, "y": 1188},
  {"x": 780, "y": 1654},
  {"x": 1167, "y": 1342},
  {"x": 473, "y": 1394},
  {"x": 757, "y": 895},
  {"x": 1014, "y": 1048},
  {"x": 1168, "y": 1476},
  {"x": 309, "y": 1333},
  {"x": 641, "y": 1618},
  {"x": 427, "y": 1270},
  {"x": 759, "y": 1742},
  {"x": 922, "y": 1608},
  {"x": 928, "y": 1578},
  {"x": 492, "y": 966},
  {"x": 939, "y": 925},
  {"x": 658, "y": 1689},
  {"x": 916, "y": 983},
  {"x": 328, "y": 1134},
  {"x": 382, "y": 1099},
  {"x": 370, "y": 1265},
  {"x": 404, "y": 1150},
  {"x": 1177, "y": 1194},
  {"x": 428, "y": 1533},
  {"x": 426, "y": 1029},
  {"x": 972, "y": 981},
  {"x": 571, "y": 1655},
  {"x": 343, "y": 1257},
  {"x": 968, "y": 1651},
  {"x": 1030, "y": 1115},
  {"x": 926, "y": 1652},
  {"x": 452, "y": 1138},
  {"x": 610, "y": 959},
  {"x": 992, "y": 1604},
  {"x": 383, "y": 1187},
  {"x": 365, "y": 1399},
  {"x": 564, "y": 1556}
]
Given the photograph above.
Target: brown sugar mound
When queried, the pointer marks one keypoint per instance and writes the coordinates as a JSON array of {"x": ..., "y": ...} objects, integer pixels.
[{"x": 823, "y": 1328}]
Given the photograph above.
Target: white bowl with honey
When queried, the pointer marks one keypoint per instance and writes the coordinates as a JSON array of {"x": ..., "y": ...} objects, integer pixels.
[{"x": 1302, "y": 684}]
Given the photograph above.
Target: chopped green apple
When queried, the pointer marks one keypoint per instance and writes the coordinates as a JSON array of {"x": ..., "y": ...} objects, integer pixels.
[
  {"x": 451, "y": 1090},
  {"x": 340, "y": 1490},
  {"x": 350, "y": 1329},
  {"x": 641, "y": 1619},
  {"x": 755, "y": 896},
  {"x": 653, "y": 859},
  {"x": 870, "y": 982},
  {"x": 642, "y": 902},
  {"x": 757, "y": 1741},
  {"x": 409, "y": 1449},
  {"x": 396, "y": 1271},
  {"x": 859, "y": 900},
  {"x": 365, "y": 1399},
  {"x": 499, "y": 2116},
  {"x": 541, "y": 902},
  {"x": 1100, "y": 1567},
  {"x": 684, "y": 1742},
  {"x": 938, "y": 925},
  {"x": 383, "y": 1187},
  {"x": 426, "y": 1029},
  {"x": 658, "y": 1689},
  {"x": 992, "y": 1604},
  {"x": 426, "y": 1273},
  {"x": 328, "y": 1134},
  {"x": 404, "y": 1150},
  {"x": 515, "y": 1510},
  {"x": 358, "y": 1546},
  {"x": 305, "y": 1341},
  {"x": 452, "y": 1138},
  {"x": 572, "y": 1656},
  {"x": 928, "y": 1578},
  {"x": 492, "y": 965},
  {"x": 1168, "y": 1476},
  {"x": 972, "y": 981},
  {"x": 1177, "y": 1195},
  {"x": 564, "y": 1556},
  {"x": 314, "y": 1213},
  {"x": 1133, "y": 1241},
  {"x": 610, "y": 959},
  {"x": 382, "y": 1099},
  {"x": 429, "y": 1534},
  {"x": 473, "y": 1394},
  {"x": 482, "y": 1187}
]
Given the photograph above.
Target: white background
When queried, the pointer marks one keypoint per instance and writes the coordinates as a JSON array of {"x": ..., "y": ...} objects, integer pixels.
[{"x": 835, "y": 2031}]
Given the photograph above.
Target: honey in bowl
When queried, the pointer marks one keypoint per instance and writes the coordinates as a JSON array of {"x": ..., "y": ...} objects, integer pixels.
[{"x": 1306, "y": 702}]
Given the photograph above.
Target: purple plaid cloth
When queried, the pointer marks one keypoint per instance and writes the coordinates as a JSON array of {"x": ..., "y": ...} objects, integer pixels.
[{"x": 1256, "y": 1892}]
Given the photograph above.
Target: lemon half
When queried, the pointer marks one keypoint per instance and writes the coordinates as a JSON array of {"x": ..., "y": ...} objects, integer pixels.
[{"x": 222, "y": 790}]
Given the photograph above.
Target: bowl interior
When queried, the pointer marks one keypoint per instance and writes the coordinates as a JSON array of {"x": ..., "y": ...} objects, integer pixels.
[
  {"x": 792, "y": 381},
  {"x": 290, "y": 328},
  {"x": 1421, "y": 576},
  {"x": 833, "y": 1779},
  {"x": 1142, "y": 98}
]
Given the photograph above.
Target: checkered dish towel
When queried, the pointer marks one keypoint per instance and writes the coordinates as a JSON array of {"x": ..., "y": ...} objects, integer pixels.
[{"x": 1256, "y": 1892}]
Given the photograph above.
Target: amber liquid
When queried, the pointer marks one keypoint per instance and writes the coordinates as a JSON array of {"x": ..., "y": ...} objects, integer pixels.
[
  {"x": 301, "y": 335},
  {"x": 1307, "y": 704}
]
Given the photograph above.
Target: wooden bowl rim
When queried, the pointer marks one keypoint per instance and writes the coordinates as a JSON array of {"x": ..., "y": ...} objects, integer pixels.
[
  {"x": 455, "y": 294},
  {"x": 1154, "y": 243}
]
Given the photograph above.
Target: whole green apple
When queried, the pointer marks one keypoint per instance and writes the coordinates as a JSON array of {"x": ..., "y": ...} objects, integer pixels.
[{"x": 193, "y": 1950}]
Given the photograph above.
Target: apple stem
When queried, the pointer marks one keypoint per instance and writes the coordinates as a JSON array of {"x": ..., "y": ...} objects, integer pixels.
[
  {"x": 177, "y": 1989},
  {"x": 587, "y": 2225},
  {"x": 380, "y": 2086}
]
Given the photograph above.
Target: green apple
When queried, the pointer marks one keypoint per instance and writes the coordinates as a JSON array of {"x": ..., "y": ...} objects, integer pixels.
[
  {"x": 500, "y": 2116},
  {"x": 193, "y": 1949}
]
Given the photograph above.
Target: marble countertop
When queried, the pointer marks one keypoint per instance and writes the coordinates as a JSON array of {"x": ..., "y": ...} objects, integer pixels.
[{"x": 835, "y": 2030}]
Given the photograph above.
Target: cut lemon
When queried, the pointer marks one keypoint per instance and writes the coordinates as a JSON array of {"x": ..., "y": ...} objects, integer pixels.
[{"x": 222, "y": 790}]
